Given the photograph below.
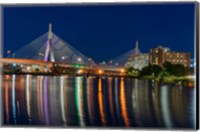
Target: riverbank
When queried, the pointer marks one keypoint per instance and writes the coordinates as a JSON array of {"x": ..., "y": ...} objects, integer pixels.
[
  {"x": 170, "y": 79},
  {"x": 165, "y": 79}
]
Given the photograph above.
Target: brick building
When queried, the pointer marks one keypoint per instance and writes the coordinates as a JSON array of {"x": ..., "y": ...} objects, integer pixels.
[
  {"x": 178, "y": 58},
  {"x": 160, "y": 55}
]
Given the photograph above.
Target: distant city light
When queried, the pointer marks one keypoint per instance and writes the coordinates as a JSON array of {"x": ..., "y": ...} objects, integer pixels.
[
  {"x": 100, "y": 71},
  {"x": 79, "y": 59},
  {"x": 122, "y": 70},
  {"x": 28, "y": 68},
  {"x": 80, "y": 71},
  {"x": 8, "y": 51},
  {"x": 193, "y": 65},
  {"x": 77, "y": 66},
  {"x": 191, "y": 76}
]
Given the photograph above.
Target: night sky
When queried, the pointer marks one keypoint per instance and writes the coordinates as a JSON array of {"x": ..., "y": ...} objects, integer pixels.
[{"x": 103, "y": 32}]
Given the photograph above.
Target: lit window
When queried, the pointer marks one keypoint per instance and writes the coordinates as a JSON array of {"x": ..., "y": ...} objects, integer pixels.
[{"x": 156, "y": 60}]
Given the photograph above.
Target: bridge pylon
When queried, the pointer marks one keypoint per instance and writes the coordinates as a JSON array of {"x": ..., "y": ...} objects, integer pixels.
[{"x": 49, "y": 48}]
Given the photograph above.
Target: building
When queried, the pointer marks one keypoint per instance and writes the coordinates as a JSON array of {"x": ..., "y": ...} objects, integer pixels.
[
  {"x": 160, "y": 55},
  {"x": 137, "y": 60},
  {"x": 157, "y": 55},
  {"x": 178, "y": 58}
]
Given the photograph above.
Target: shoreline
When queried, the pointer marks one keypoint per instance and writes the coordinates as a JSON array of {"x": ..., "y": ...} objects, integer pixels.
[{"x": 148, "y": 77}]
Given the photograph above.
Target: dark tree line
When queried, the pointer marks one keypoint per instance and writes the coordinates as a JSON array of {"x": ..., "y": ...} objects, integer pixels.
[
  {"x": 176, "y": 69},
  {"x": 166, "y": 70}
]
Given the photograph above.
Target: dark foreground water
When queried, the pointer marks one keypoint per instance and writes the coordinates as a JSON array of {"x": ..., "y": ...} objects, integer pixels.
[{"x": 80, "y": 101}]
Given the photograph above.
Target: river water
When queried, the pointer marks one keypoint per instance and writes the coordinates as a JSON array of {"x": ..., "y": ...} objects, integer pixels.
[{"x": 64, "y": 101}]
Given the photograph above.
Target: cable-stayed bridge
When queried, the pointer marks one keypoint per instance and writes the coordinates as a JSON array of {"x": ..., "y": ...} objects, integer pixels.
[
  {"x": 49, "y": 50},
  {"x": 122, "y": 60},
  {"x": 49, "y": 47}
]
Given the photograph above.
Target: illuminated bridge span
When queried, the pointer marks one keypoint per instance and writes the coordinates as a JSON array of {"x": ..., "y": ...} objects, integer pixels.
[
  {"x": 25, "y": 62},
  {"x": 49, "y": 47},
  {"x": 45, "y": 67},
  {"x": 49, "y": 53}
]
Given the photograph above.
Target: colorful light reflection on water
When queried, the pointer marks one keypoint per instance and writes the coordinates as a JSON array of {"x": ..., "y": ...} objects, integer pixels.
[{"x": 80, "y": 101}]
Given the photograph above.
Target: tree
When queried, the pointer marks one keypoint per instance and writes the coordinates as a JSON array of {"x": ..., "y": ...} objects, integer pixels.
[
  {"x": 156, "y": 70},
  {"x": 151, "y": 70},
  {"x": 132, "y": 71},
  {"x": 168, "y": 67},
  {"x": 180, "y": 70},
  {"x": 145, "y": 71},
  {"x": 175, "y": 69}
]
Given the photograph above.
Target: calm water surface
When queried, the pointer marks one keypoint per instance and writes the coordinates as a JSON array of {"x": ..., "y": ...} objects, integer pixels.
[{"x": 80, "y": 101}]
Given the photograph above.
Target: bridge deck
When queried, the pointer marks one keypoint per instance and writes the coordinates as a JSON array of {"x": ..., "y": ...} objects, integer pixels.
[{"x": 88, "y": 70}]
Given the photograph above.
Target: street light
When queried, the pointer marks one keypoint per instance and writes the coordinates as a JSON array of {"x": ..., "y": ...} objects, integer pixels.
[
  {"x": 79, "y": 59},
  {"x": 100, "y": 71},
  {"x": 80, "y": 71},
  {"x": 122, "y": 70},
  {"x": 28, "y": 68},
  {"x": 8, "y": 52}
]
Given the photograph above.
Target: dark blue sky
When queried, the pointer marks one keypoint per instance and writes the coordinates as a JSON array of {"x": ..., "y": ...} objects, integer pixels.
[{"x": 104, "y": 32}]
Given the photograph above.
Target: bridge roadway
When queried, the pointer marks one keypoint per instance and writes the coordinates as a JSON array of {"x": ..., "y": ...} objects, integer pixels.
[
  {"x": 49, "y": 64},
  {"x": 26, "y": 62}
]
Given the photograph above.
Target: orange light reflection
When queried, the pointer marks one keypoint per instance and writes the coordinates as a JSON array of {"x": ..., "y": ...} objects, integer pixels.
[
  {"x": 7, "y": 101},
  {"x": 123, "y": 103},
  {"x": 111, "y": 98},
  {"x": 100, "y": 100}
]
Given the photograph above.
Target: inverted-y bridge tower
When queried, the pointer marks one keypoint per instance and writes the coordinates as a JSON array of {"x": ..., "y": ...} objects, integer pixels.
[{"x": 49, "y": 48}]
